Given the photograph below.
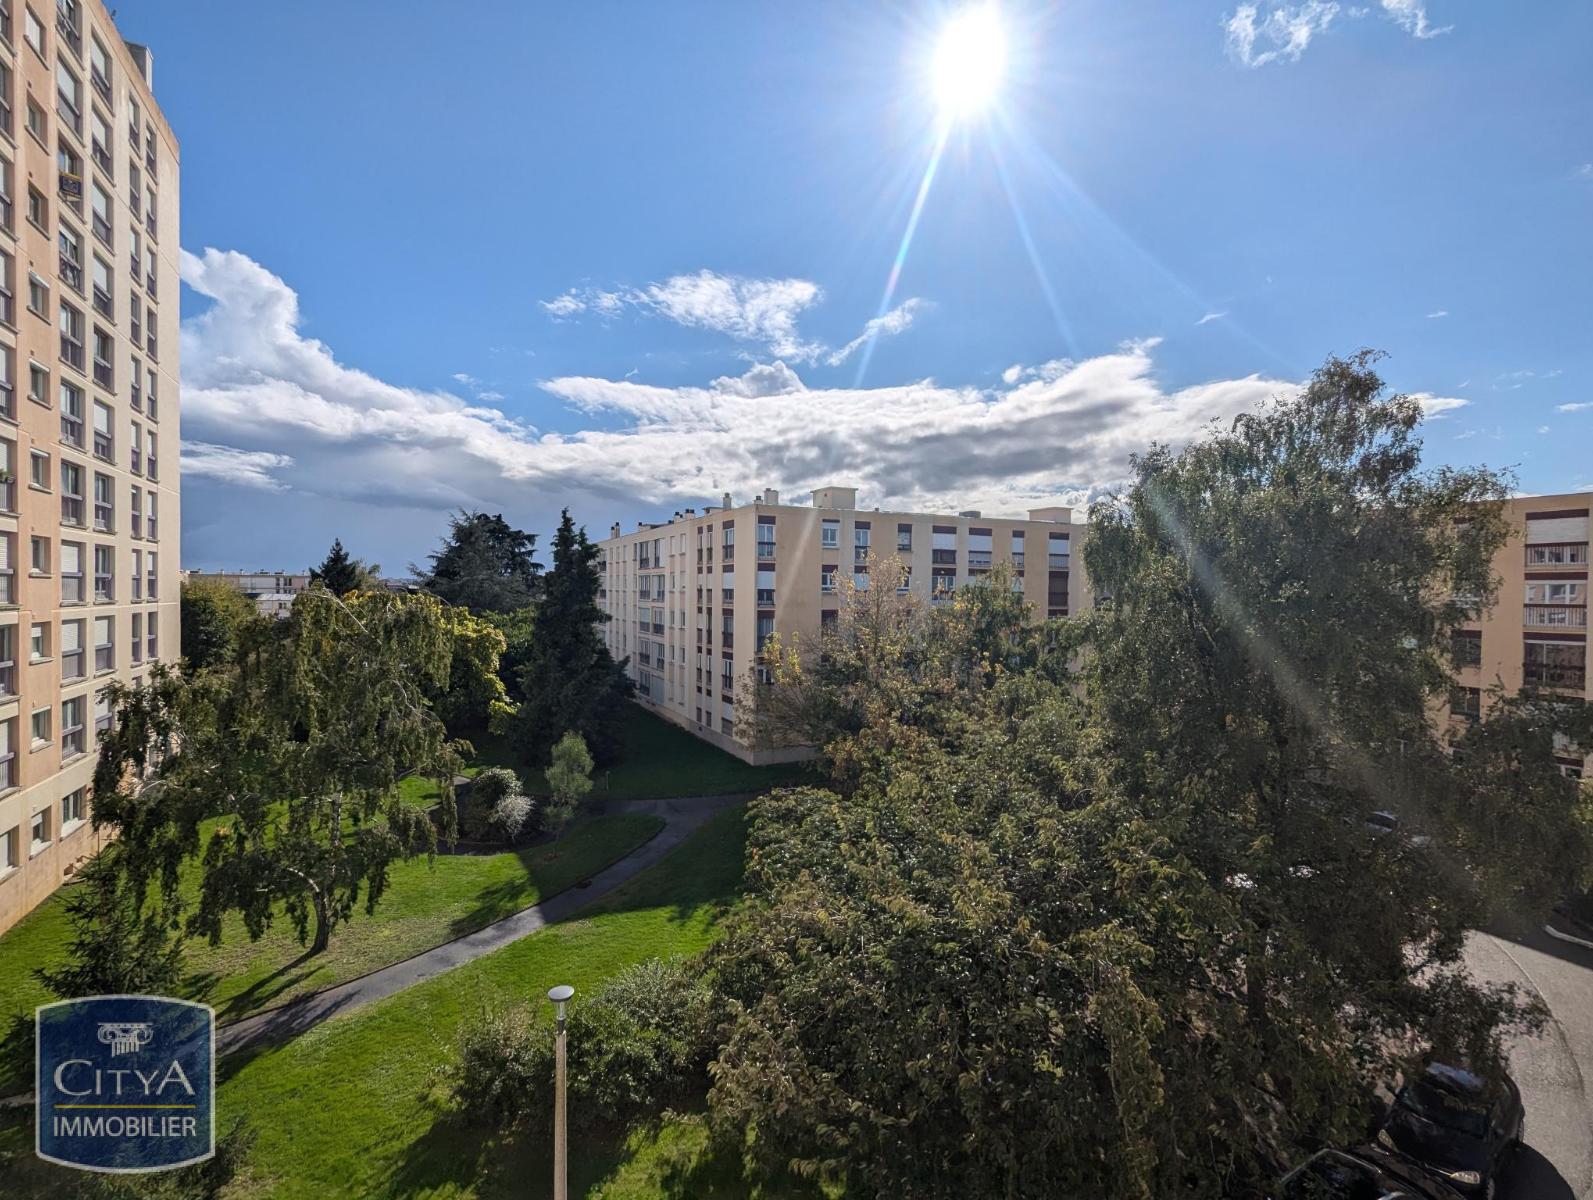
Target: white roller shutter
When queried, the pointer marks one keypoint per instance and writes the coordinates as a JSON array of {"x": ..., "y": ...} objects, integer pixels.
[{"x": 1558, "y": 529}]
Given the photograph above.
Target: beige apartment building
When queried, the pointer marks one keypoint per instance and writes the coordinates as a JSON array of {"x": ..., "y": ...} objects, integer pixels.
[
  {"x": 1536, "y": 633},
  {"x": 273, "y": 592},
  {"x": 89, "y": 513},
  {"x": 693, "y": 599}
]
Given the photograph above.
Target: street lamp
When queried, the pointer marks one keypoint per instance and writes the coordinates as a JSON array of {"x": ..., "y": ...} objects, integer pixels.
[{"x": 561, "y": 1153}]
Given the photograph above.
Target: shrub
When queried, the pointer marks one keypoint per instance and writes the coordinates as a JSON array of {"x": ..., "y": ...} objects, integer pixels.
[
  {"x": 496, "y": 809},
  {"x": 640, "y": 1041}
]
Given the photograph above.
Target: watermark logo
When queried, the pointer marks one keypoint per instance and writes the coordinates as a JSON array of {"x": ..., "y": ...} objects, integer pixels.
[{"x": 125, "y": 1083}]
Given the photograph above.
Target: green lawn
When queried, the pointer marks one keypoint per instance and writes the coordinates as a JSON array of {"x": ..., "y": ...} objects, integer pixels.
[
  {"x": 353, "y": 1108},
  {"x": 425, "y": 904}
]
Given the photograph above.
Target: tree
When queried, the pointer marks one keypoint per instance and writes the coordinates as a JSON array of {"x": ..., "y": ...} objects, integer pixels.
[
  {"x": 214, "y": 612},
  {"x": 484, "y": 564},
  {"x": 570, "y": 681},
  {"x": 473, "y": 696},
  {"x": 300, "y": 750},
  {"x": 1133, "y": 938},
  {"x": 569, "y": 778},
  {"x": 342, "y": 573}
]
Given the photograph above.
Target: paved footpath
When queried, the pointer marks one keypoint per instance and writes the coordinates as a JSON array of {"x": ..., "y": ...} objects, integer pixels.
[{"x": 682, "y": 817}]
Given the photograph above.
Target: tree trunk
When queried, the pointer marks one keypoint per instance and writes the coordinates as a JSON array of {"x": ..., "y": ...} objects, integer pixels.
[{"x": 323, "y": 923}]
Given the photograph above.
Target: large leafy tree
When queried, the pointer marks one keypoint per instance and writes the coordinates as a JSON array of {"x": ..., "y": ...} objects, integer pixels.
[
  {"x": 484, "y": 564},
  {"x": 342, "y": 573},
  {"x": 213, "y": 614},
  {"x": 1134, "y": 938},
  {"x": 569, "y": 681},
  {"x": 298, "y": 751}
]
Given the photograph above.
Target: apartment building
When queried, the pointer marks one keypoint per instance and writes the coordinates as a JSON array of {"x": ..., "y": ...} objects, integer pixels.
[
  {"x": 273, "y": 592},
  {"x": 1536, "y": 633},
  {"x": 693, "y": 599},
  {"x": 89, "y": 513}
]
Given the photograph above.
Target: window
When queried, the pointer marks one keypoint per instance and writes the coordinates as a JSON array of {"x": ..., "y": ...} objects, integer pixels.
[
  {"x": 1465, "y": 702},
  {"x": 150, "y": 531},
  {"x": 40, "y": 468},
  {"x": 831, "y": 534},
  {"x": 5, "y": 74},
  {"x": 135, "y": 456},
  {"x": 100, "y": 212},
  {"x": 69, "y": 97},
  {"x": 38, "y": 122},
  {"x": 8, "y": 760},
  {"x": 135, "y": 327},
  {"x": 10, "y": 855},
  {"x": 104, "y": 437},
  {"x": 38, "y": 208},
  {"x": 104, "y": 643},
  {"x": 39, "y": 647},
  {"x": 8, "y": 660},
  {"x": 138, "y": 638},
  {"x": 860, "y": 542},
  {"x": 71, "y": 256},
  {"x": 104, "y": 716},
  {"x": 73, "y": 740},
  {"x": 104, "y": 288},
  {"x": 149, "y": 583},
  {"x": 8, "y": 574},
  {"x": 137, "y": 377},
  {"x": 136, "y": 513},
  {"x": 7, "y": 204},
  {"x": 100, "y": 141},
  {"x": 40, "y": 727},
  {"x": 72, "y": 808},
  {"x": 39, "y": 302},
  {"x": 104, "y": 574},
  {"x": 71, "y": 493},
  {"x": 72, "y": 591},
  {"x": 104, "y": 503},
  {"x": 1555, "y": 664},
  {"x": 149, "y": 460},
  {"x": 41, "y": 823},
  {"x": 1466, "y": 647},
  {"x": 827, "y": 579},
  {"x": 72, "y": 663},
  {"x": 69, "y": 165},
  {"x": 41, "y": 556},
  {"x": 39, "y": 384},
  {"x": 904, "y": 538},
  {"x": 71, "y": 335},
  {"x": 151, "y": 642},
  {"x": 33, "y": 31},
  {"x": 104, "y": 354},
  {"x": 153, "y": 402},
  {"x": 100, "y": 70}
]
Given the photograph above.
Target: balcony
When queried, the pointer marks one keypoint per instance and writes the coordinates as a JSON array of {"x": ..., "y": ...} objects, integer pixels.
[
  {"x": 1556, "y": 616},
  {"x": 1557, "y": 554},
  {"x": 766, "y": 550},
  {"x": 1548, "y": 675},
  {"x": 765, "y": 597}
]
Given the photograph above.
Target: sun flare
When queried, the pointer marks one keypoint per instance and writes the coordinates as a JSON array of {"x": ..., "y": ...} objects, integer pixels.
[{"x": 970, "y": 60}]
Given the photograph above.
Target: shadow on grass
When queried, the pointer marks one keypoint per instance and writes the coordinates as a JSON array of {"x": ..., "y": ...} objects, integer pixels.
[{"x": 257, "y": 995}]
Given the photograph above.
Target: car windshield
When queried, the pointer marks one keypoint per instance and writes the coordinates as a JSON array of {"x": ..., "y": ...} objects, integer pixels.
[
  {"x": 1445, "y": 1108},
  {"x": 1331, "y": 1177}
]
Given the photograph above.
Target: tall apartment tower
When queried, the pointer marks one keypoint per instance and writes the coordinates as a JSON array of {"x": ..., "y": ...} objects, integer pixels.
[
  {"x": 1535, "y": 635},
  {"x": 89, "y": 507},
  {"x": 692, "y": 600}
]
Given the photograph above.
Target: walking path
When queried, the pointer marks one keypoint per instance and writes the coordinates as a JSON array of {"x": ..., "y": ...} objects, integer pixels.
[{"x": 682, "y": 817}]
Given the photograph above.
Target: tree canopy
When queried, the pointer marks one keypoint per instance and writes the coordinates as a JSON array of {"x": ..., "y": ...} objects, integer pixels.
[
  {"x": 1130, "y": 935},
  {"x": 341, "y": 573},
  {"x": 214, "y": 615},
  {"x": 483, "y": 564}
]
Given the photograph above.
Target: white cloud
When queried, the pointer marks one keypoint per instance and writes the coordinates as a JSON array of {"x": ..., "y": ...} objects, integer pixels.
[
  {"x": 1012, "y": 374},
  {"x": 1411, "y": 16},
  {"x": 1585, "y": 171},
  {"x": 1284, "y": 32},
  {"x": 1268, "y": 31},
  {"x": 1209, "y": 317},
  {"x": 1438, "y": 314},
  {"x": 228, "y": 464},
  {"x": 759, "y": 311},
  {"x": 1436, "y": 408},
  {"x": 1543, "y": 429},
  {"x": 1580, "y": 406},
  {"x": 1470, "y": 433}
]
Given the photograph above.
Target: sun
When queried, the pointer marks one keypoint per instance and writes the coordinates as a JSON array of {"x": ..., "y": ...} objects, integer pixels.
[{"x": 970, "y": 61}]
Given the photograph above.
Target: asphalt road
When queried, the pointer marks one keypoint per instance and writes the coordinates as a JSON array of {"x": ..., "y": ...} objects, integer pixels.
[{"x": 1555, "y": 1069}]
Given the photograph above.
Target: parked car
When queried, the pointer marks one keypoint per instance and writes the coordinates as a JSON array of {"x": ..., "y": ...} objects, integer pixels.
[
  {"x": 1367, "y": 1173},
  {"x": 1458, "y": 1125}
]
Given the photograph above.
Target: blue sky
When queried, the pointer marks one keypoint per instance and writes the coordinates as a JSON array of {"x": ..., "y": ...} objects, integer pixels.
[{"x": 516, "y": 256}]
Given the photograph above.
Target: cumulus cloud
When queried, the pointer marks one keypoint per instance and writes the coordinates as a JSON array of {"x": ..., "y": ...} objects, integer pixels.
[
  {"x": 1435, "y": 408},
  {"x": 762, "y": 312}
]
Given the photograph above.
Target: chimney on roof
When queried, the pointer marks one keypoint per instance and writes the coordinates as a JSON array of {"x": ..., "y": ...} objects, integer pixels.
[
  {"x": 725, "y": 500},
  {"x": 770, "y": 496},
  {"x": 614, "y": 530}
]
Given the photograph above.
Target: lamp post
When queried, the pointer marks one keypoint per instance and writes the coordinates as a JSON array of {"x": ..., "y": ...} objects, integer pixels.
[{"x": 561, "y": 1152}]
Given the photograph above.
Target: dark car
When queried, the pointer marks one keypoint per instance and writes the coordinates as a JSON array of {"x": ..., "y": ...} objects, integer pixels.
[
  {"x": 1458, "y": 1125},
  {"x": 1368, "y": 1173}
]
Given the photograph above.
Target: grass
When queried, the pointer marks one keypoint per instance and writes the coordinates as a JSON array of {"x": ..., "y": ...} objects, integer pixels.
[
  {"x": 353, "y": 1108},
  {"x": 425, "y": 904}
]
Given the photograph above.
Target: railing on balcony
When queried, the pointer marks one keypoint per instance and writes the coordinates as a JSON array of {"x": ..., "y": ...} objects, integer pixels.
[
  {"x": 765, "y": 597},
  {"x": 1568, "y": 616},
  {"x": 1557, "y": 554},
  {"x": 1551, "y": 676},
  {"x": 766, "y": 548}
]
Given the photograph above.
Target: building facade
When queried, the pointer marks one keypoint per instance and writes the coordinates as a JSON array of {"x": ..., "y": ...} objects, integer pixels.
[
  {"x": 273, "y": 592},
  {"x": 692, "y": 600},
  {"x": 1535, "y": 635},
  {"x": 89, "y": 429}
]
